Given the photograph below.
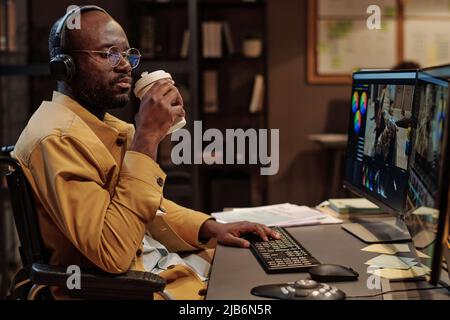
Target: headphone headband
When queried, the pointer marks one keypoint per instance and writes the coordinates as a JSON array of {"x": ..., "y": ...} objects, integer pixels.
[{"x": 60, "y": 35}]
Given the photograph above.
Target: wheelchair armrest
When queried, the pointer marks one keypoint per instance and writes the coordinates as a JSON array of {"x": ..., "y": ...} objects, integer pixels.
[{"x": 97, "y": 284}]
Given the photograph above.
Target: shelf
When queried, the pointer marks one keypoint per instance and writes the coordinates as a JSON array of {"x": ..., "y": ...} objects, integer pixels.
[
  {"x": 231, "y": 3},
  {"x": 4, "y": 53},
  {"x": 171, "y": 66},
  {"x": 233, "y": 114},
  {"x": 202, "y": 3},
  {"x": 25, "y": 70},
  {"x": 176, "y": 170},
  {"x": 227, "y": 170},
  {"x": 233, "y": 58},
  {"x": 162, "y": 4}
]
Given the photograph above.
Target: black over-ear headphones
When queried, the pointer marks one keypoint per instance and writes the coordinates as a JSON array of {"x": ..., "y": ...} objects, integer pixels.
[{"x": 62, "y": 65}]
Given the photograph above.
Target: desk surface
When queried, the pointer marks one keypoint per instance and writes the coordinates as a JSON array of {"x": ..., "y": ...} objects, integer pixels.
[{"x": 236, "y": 271}]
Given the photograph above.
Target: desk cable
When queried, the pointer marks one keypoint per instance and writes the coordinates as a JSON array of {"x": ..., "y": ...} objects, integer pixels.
[{"x": 443, "y": 286}]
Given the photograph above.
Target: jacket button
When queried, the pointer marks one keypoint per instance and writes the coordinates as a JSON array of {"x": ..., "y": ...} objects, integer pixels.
[
  {"x": 160, "y": 182},
  {"x": 139, "y": 253},
  {"x": 202, "y": 292},
  {"x": 120, "y": 142}
]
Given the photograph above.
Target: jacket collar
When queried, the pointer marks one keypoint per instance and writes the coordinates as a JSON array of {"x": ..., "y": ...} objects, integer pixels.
[{"x": 108, "y": 131}]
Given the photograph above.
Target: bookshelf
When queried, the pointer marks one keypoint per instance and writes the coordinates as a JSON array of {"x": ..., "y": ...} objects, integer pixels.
[
  {"x": 225, "y": 105},
  {"x": 235, "y": 185}
]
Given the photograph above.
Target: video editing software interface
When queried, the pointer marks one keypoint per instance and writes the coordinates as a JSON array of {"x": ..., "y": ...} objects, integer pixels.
[
  {"x": 395, "y": 138},
  {"x": 427, "y": 157},
  {"x": 427, "y": 166}
]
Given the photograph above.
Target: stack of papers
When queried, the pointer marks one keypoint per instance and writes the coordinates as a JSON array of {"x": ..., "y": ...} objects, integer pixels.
[
  {"x": 393, "y": 249},
  {"x": 281, "y": 215},
  {"x": 392, "y": 267},
  {"x": 396, "y": 274}
]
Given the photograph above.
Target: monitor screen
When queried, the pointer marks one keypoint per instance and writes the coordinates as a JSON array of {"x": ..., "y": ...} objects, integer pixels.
[
  {"x": 427, "y": 156},
  {"x": 380, "y": 137},
  {"x": 428, "y": 183}
]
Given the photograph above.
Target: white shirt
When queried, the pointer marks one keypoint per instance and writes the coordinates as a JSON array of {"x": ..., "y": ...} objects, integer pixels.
[{"x": 157, "y": 258}]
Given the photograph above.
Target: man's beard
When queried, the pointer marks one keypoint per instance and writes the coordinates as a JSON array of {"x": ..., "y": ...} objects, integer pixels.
[{"x": 100, "y": 98}]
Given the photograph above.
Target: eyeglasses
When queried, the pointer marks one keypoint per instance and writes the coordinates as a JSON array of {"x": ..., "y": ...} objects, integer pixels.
[{"x": 114, "y": 55}]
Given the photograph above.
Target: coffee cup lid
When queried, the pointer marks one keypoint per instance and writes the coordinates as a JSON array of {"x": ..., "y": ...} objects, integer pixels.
[{"x": 148, "y": 78}]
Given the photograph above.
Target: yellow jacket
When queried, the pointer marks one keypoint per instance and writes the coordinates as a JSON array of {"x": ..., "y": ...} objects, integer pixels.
[{"x": 95, "y": 199}]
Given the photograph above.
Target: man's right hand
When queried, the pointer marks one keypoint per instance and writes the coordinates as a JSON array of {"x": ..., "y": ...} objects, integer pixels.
[{"x": 160, "y": 107}]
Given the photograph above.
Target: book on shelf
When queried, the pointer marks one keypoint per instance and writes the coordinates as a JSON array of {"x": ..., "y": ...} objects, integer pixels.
[
  {"x": 8, "y": 26},
  {"x": 228, "y": 38},
  {"x": 148, "y": 36},
  {"x": 257, "y": 99},
  {"x": 184, "y": 51},
  {"x": 217, "y": 39},
  {"x": 3, "y": 26},
  {"x": 210, "y": 91},
  {"x": 205, "y": 40},
  {"x": 212, "y": 39},
  {"x": 11, "y": 40}
]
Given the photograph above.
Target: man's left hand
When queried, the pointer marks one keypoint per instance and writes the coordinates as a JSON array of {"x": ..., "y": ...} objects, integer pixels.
[{"x": 230, "y": 233}]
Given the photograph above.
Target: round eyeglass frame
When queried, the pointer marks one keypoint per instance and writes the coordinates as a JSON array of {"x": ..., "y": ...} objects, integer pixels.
[{"x": 115, "y": 56}]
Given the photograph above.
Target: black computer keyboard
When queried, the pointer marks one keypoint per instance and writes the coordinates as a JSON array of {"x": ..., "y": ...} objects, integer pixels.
[{"x": 281, "y": 256}]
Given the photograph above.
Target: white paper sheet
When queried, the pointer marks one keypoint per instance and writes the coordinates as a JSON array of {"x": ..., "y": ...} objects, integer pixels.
[
  {"x": 282, "y": 215},
  {"x": 393, "y": 274},
  {"x": 387, "y": 248},
  {"x": 392, "y": 262}
]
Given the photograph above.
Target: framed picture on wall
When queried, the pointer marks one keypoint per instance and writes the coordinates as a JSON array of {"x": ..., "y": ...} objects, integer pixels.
[{"x": 340, "y": 42}]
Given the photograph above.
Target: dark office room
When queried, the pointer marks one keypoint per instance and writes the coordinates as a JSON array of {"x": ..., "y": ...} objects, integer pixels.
[{"x": 224, "y": 151}]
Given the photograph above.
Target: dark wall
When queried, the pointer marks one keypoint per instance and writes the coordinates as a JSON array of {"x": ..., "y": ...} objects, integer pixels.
[{"x": 298, "y": 108}]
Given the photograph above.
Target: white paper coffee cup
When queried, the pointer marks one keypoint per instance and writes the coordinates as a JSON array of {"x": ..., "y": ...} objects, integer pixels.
[{"x": 144, "y": 84}]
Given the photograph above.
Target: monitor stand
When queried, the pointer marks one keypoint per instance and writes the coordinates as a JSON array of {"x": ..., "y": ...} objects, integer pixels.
[{"x": 387, "y": 230}]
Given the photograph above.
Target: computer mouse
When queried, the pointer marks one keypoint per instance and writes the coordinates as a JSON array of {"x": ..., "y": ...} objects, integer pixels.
[
  {"x": 299, "y": 290},
  {"x": 332, "y": 273}
]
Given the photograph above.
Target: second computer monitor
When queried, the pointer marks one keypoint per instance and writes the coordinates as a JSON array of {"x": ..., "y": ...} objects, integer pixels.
[{"x": 427, "y": 196}]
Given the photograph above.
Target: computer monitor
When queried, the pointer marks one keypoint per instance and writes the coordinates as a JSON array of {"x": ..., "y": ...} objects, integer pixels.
[
  {"x": 398, "y": 156},
  {"x": 380, "y": 142},
  {"x": 427, "y": 196}
]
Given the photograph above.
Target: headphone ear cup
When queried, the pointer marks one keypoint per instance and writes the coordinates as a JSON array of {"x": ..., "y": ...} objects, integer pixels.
[{"x": 62, "y": 68}]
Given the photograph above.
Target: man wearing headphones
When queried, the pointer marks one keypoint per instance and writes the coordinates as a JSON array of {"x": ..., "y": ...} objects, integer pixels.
[{"x": 98, "y": 188}]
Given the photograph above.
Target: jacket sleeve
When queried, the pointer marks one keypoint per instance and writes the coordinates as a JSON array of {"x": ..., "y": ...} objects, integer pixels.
[
  {"x": 185, "y": 222},
  {"x": 106, "y": 227}
]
